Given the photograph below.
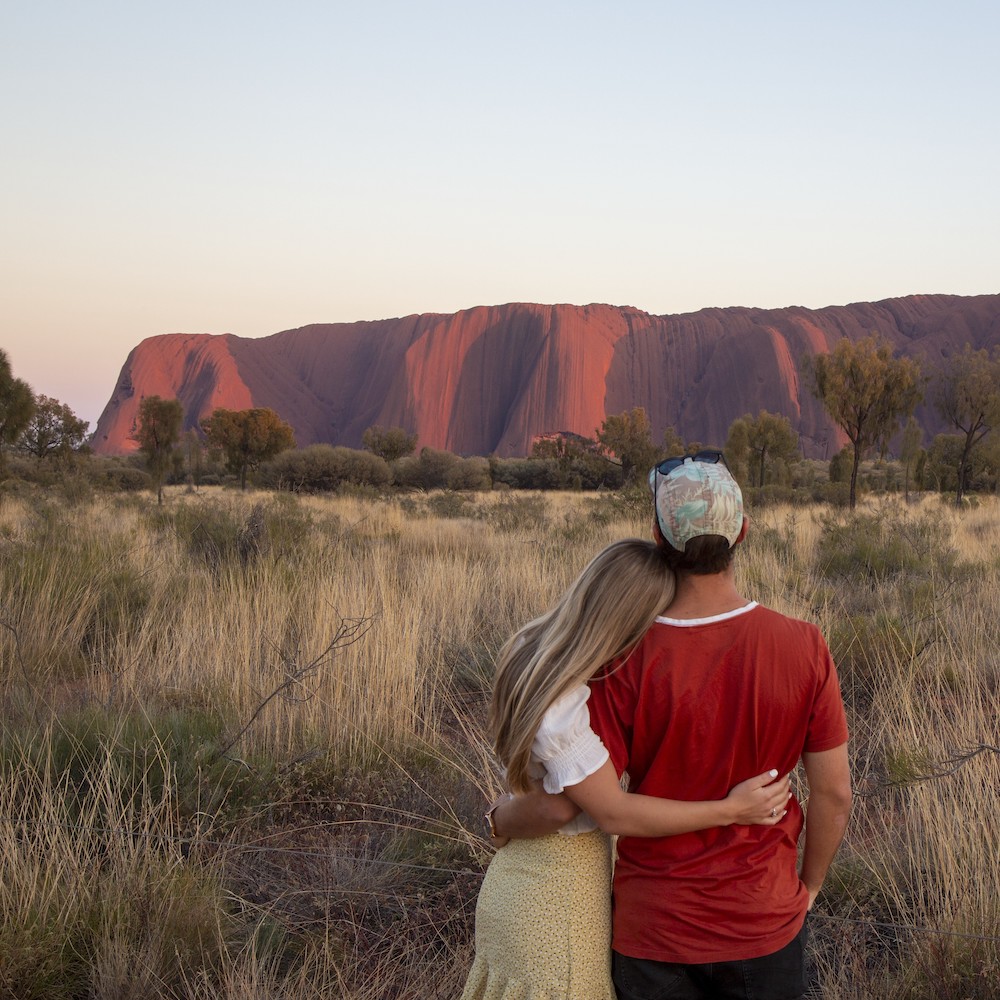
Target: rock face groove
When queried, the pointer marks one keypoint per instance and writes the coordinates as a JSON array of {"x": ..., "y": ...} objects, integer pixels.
[{"x": 490, "y": 379}]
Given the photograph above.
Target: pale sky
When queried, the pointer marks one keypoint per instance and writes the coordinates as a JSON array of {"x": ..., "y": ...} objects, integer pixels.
[{"x": 249, "y": 167}]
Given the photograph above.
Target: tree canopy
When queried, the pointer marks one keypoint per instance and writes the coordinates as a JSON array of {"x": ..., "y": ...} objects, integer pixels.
[
  {"x": 158, "y": 429},
  {"x": 673, "y": 444},
  {"x": 967, "y": 394},
  {"x": 627, "y": 436},
  {"x": 909, "y": 451},
  {"x": 867, "y": 391},
  {"x": 389, "y": 444},
  {"x": 757, "y": 443},
  {"x": 53, "y": 430},
  {"x": 17, "y": 404},
  {"x": 247, "y": 437}
]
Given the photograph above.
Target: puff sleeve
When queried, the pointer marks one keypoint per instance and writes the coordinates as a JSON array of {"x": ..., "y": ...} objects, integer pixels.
[{"x": 565, "y": 745}]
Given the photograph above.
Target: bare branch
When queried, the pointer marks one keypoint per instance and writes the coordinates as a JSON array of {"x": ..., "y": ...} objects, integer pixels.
[{"x": 349, "y": 631}]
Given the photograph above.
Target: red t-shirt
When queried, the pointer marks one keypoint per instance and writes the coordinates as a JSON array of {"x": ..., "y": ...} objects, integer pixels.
[{"x": 697, "y": 708}]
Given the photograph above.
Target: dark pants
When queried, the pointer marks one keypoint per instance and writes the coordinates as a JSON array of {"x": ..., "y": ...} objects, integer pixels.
[{"x": 780, "y": 976}]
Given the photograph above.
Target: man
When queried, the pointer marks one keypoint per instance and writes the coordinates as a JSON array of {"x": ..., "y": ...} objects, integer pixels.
[{"x": 718, "y": 690}]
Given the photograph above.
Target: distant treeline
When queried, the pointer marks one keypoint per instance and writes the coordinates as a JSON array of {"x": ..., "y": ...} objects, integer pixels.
[{"x": 869, "y": 393}]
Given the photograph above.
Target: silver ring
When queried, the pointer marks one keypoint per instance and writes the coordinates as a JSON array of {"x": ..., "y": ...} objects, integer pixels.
[{"x": 774, "y": 812}]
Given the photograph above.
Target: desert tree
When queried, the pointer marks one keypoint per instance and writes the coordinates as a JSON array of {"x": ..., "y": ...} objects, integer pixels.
[
  {"x": 966, "y": 392},
  {"x": 562, "y": 447},
  {"x": 389, "y": 443},
  {"x": 17, "y": 405},
  {"x": 557, "y": 452},
  {"x": 909, "y": 452},
  {"x": 194, "y": 456},
  {"x": 988, "y": 456},
  {"x": 941, "y": 466},
  {"x": 839, "y": 467},
  {"x": 571, "y": 459},
  {"x": 54, "y": 430},
  {"x": 247, "y": 437},
  {"x": 757, "y": 443},
  {"x": 627, "y": 436},
  {"x": 158, "y": 429},
  {"x": 867, "y": 391},
  {"x": 673, "y": 443},
  {"x": 943, "y": 459}
]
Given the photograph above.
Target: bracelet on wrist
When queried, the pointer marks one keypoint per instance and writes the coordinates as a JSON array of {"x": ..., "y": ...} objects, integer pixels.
[{"x": 490, "y": 817}]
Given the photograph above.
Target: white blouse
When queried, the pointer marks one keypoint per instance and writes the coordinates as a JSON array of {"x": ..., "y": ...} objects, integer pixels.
[{"x": 566, "y": 750}]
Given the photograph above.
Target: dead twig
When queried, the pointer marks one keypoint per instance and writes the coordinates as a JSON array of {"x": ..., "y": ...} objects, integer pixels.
[
  {"x": 349, "y": 631},
  {"x": 948, "y": 766}
]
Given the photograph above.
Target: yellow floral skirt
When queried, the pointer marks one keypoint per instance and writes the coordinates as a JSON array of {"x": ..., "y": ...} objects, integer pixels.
[{"x": 543, "y": 922}]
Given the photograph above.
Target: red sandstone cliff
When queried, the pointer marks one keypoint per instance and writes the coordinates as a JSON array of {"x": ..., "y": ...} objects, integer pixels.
[{"x": 492, "y": 378}]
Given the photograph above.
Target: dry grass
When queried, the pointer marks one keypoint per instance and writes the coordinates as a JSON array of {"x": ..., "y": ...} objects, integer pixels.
[{"x": 242, "y": 747}]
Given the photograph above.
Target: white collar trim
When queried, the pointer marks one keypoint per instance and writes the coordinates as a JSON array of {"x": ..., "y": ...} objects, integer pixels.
[{"x": 688, "y": 622}]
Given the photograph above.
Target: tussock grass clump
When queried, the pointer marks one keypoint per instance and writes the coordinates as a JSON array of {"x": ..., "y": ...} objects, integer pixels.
[
  {"x": 869, "y": 548},
  {"x": 244, "y": 752},
  {"x": 516, "y": 513},
  {"x": 96, "y": 895},
  {"x": 448, "y": 504},
  {"x": 221, "y": 534},
  {"x": 68, "y": 594},
  {"x": 173, "y": 755}
]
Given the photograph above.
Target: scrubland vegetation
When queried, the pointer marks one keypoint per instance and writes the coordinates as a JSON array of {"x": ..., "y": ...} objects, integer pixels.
[{"x": 242, "y": 750}]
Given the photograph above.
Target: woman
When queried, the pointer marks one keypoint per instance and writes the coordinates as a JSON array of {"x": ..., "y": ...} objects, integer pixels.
[{"x": 543, "y": 920}]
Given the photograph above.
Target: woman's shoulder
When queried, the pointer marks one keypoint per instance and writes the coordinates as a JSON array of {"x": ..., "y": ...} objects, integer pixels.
[
  {"x": 567, "y": 712},
  {"x": 565, "y": 744}
]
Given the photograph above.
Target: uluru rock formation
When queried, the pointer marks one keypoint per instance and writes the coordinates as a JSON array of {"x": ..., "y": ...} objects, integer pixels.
[{"x": 491, "y": 379}]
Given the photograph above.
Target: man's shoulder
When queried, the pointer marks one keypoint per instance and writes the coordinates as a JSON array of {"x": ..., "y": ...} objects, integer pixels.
[{"x": 765, "y": 617}]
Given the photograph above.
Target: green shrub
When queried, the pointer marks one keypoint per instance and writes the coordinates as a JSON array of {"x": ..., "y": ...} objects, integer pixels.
[
  {"x": 633, "y": 503},
  {"x": 469, "y": 474},
  {"x": 602, "y": 510},
  {"x": 836, "y": 494},
  {"x": 450, "y": 505},
  {"x": 322, "y": 468},
  {"x": 772, "y": 494},
  {"x": 526, "y": 473},
  {"x": 905, "y": 765},
  {"x": 412, "y": 507},
  {"x": 841, "y": 465},
  {"x": 429, "y": 470},
  {"x": 126, "y": 479},
  {"x": 878, "y": 546},
  {"x": 526, "y": 512},
  {"x": 361, "y": 491},
  {"x": 31, "y": 470},
  {"x": 854, "y": 554}
]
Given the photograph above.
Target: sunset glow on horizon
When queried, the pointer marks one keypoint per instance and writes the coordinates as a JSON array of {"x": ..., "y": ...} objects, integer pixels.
[{"x": 249, "y": 169}]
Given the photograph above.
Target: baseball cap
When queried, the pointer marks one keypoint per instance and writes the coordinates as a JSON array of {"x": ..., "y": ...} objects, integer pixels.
[{"x": 696, "y": 495}]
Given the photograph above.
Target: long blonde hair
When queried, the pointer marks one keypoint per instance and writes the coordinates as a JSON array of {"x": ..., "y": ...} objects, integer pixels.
[{"x": 602, "y": 616}]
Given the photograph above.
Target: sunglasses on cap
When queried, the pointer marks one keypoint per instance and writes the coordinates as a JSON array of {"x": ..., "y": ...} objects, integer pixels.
[{"x": 710, "y": 456}]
